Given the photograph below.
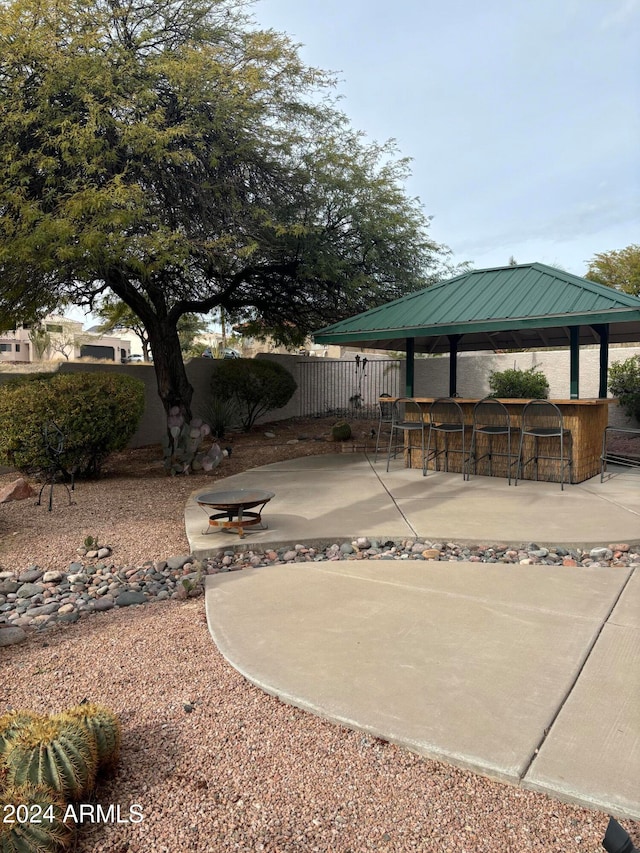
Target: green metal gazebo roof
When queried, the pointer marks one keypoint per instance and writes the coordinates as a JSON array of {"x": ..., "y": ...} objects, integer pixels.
[{"x": 521, "y": 307}]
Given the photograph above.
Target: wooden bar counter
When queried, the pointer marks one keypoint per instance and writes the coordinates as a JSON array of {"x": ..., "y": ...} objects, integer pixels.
[{"x": 586, "y": 419}]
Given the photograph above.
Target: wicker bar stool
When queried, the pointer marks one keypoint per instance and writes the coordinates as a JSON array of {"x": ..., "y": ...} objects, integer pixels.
[
  {"x": 406, "y": 419},
  {"x": 490, "y": 418},
  {"x": 543, "y": 419},
  {"x": 445, "y": 417}
]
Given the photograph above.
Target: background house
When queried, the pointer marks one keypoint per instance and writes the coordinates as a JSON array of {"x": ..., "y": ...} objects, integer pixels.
[{"x": 59, "y": 338}]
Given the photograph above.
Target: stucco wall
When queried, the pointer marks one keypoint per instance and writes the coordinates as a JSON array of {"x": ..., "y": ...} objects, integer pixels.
[{"x": 431, "y": 375}]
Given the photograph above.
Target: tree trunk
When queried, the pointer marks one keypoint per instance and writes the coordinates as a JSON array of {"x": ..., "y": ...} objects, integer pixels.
[{"x": 173, "y": 385}]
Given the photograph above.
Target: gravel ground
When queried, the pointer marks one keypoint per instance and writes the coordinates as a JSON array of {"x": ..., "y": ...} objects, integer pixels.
[
  {"x": 242, "y": 771},
  {"x": 214, "y": 763}
]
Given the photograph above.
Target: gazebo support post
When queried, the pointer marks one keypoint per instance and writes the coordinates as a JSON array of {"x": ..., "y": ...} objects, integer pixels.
[
  {"x": 453, "y": 364},
  {"x": 574, "y": 370},
  {"x": 602, "y": 330},
  {"x": 410, "y": 347}
]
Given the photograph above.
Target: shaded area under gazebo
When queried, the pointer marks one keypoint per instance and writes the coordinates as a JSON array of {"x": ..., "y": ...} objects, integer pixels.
[{"x": 528, "y": 306}]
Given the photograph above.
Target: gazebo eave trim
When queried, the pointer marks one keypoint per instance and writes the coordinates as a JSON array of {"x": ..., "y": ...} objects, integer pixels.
[{"x": 621, "y": 315}]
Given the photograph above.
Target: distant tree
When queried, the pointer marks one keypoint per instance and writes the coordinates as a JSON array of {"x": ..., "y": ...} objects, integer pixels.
[
  {"x": 40, "y": 340},
  {"x": 171, "y": 155},
  {"x": 189, "y": 327},
  {"x": 116, "y": 314},
  {"x": 64, "y": 343},
  {"x": 619, "y": 269}
]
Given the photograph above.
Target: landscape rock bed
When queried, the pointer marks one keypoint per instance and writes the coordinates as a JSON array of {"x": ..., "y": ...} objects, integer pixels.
[{"x": 34, "y": 599}]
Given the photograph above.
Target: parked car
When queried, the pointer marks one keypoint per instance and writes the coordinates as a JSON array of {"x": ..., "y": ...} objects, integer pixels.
[
  {"x": 135, "y": 358},
  {"x": 227, "y": 352}
]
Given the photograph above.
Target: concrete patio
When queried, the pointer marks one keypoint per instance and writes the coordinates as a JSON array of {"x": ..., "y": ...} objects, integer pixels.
[{"x": 524, "y": 673}]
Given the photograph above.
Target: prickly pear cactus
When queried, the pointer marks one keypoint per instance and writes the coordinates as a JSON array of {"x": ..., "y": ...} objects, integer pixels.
[
  {"x": 105, "y": 727},
  {"x": 182, "y": 446},
  {"x": 60, "y": 754},
  {"x": 32, "y": 820},
  {"x": 11, "y": 724}
]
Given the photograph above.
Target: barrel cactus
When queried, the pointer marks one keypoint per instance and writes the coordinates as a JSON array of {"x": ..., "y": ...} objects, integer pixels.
[
  {"x": 11, "y": 724},
  {"x": 35, "y": 824},
  {"x": 341, "y": 431},
  {"x": 104, "y": 726},
  {"x": 55, "y": 752}
]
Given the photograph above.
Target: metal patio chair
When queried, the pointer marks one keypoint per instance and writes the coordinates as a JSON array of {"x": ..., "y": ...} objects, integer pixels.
[
  {"x": 490, "y": 419},
  {"x": 542, "y": 419},
  {"x": 446, "y": 418},
  {"x": 385, "y": 419},
  {"x": 406, "y": 420}
]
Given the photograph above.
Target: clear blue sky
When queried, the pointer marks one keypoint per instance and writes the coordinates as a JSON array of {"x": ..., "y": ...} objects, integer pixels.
[{"x": 521, "y": 116}]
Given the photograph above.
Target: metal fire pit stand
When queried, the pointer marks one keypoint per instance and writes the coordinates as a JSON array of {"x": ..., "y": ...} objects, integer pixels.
[{"x": 234, "y": 506}]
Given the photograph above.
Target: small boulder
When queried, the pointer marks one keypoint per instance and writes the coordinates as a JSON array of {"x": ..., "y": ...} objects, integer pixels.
[
  {"x": 129, "y": 597},
  {"x": 105, "y": 603},
  {"x": 431, "y": 553},
  {"x": 11, "y": 636},
  {"x": 33, "y": 573},
  {"x": 28, "y": 590},
  {"x": 53, "y": 576},
  {"x": 17, "y": 491},
  {"x": 178, "y": 562}
]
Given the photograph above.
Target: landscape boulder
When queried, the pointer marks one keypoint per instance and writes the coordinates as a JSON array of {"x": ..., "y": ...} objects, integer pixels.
[{"x": 17, "y": 491}]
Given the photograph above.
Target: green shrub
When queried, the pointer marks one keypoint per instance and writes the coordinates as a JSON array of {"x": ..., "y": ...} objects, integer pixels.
[
  {"x": 97, "y": 413},
  {"x": 624, "y": 383},
  {"x": 528, "y": 384},
  {"x": 255, "y": 386}
]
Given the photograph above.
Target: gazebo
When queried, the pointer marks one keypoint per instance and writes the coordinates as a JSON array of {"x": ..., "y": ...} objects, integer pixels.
[{"x": 515, "y": 307}]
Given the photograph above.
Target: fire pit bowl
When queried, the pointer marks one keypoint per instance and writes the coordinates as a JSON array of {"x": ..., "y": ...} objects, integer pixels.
[{"x": 234, "y": 506}]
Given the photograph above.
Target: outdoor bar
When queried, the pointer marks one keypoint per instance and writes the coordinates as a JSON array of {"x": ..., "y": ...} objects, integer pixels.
[
  {"x": 585, "y": 419},
  {"x": 506, "y": 309}
]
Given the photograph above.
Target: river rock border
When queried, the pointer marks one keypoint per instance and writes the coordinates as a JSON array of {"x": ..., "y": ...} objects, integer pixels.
[{"x": 34, "y": 599}]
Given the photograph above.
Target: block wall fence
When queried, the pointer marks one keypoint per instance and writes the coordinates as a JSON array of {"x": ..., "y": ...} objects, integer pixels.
[{"x": 431, "y": 380}]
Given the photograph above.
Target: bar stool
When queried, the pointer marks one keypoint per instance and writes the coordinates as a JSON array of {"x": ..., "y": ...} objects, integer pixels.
[
  {"x": 385, "y": 419},
  {"x": 446, "y": 417},
  {"x": 406, "y": 419},
  {"x": 490, "y": 418},
  {"x": 623, "y": 457},
  {"x": 543, "y": 419}
]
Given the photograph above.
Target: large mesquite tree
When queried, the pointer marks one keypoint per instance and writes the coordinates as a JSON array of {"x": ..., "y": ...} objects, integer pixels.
[{"x": 168, "y": 153}]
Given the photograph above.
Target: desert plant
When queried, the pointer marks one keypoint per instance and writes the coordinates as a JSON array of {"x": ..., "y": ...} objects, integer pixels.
[
  {"x": 182, "y": 446},
  {"x": 33, "y": 820},
  {"x": 624, "y": 383},
  {"x": 524, "y": 384},
  {"x": 96, "y": 413},
  {"x": 58, "y": 753},
  {"x": 221, "y": 415},
  {"x": 11, "y": 724},
  {"x": 255, "y": 385},
  {"x": 104, "y": 726},
  {"x": 341, "y": 431}
]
